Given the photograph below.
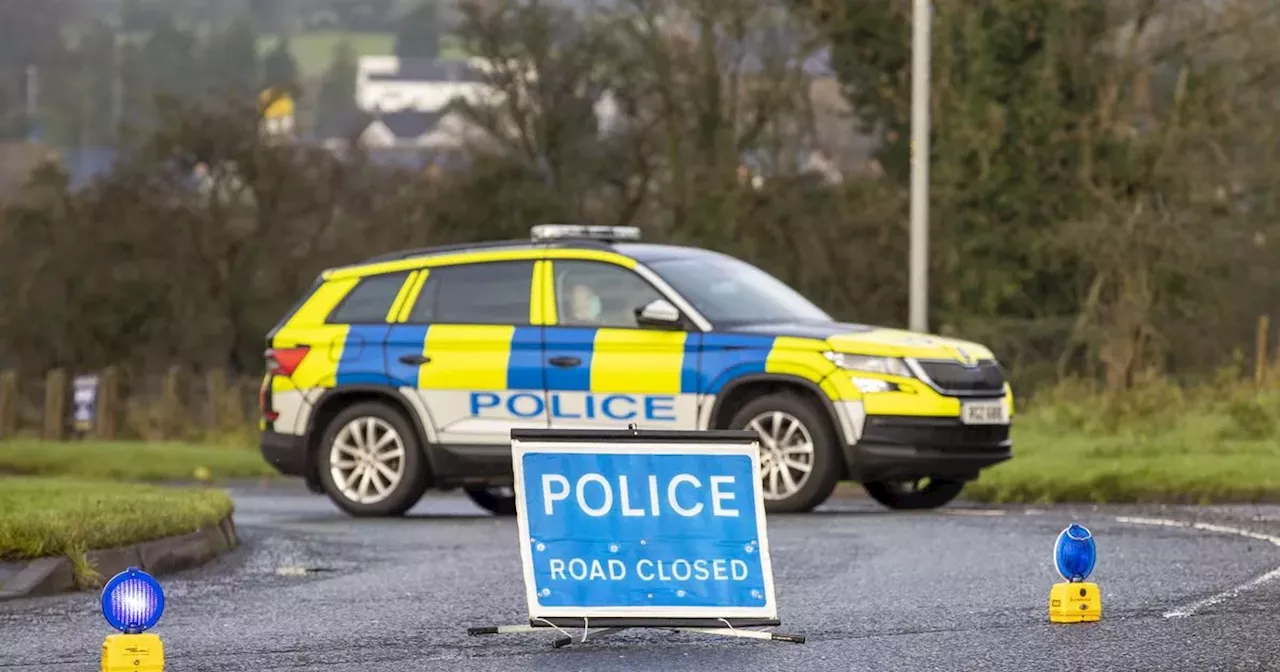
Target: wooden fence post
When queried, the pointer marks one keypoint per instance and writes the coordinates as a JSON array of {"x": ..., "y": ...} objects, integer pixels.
[
  {"x": 8, "y": 404},
  {"x": 1260, "y": 348},
  {"x": 55, "y": 405},
  {"x": 171, "y": 403},
  {"x": 235, "y": 417},
  {"x": 108, "y": 404},
  {"x": 215, "y": 384}
]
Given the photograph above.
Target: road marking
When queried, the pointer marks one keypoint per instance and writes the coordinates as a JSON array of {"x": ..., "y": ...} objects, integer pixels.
[{"x": 1183, "y": 612}]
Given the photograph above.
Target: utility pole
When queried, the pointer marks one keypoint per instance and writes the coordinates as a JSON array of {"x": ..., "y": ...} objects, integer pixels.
[{"x": 921, "y": 17}]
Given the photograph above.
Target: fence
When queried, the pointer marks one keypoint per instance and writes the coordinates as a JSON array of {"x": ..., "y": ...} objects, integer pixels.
[{"x": 179, "y": 405}]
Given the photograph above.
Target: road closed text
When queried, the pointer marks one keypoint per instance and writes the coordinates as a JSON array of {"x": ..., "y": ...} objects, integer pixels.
[{"x": 646, "y": 569}]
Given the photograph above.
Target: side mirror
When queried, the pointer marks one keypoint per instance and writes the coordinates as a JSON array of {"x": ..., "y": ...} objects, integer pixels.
[{"x": 658, "y": 313}]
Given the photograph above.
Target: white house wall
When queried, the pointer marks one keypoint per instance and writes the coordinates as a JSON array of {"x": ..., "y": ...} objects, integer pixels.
[{"x": 392, "y": 96}]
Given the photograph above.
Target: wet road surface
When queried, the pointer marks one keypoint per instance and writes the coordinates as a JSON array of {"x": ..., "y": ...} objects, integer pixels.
[{"x": 1184, "y": 588}]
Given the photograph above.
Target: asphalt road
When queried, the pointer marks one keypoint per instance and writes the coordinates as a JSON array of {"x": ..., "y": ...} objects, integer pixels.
[{"x": 964, "y": 588}]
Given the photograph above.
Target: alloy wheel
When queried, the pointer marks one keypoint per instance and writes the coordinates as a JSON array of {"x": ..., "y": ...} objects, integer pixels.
[
  {"x": 786, "y": 453},
  {"x": 366, "y": 460}
]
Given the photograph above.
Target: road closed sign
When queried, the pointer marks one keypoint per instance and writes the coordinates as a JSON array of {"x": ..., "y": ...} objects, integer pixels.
[{"x": 632, "y": 524}]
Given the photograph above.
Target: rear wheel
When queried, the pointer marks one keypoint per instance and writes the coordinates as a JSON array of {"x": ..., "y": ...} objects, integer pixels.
[
  {"x": 924, "y": 493},
  {"x": 799, "y": 460},
  {"x": 498, "y": 500},
  {"x": 370, "y": 462}
]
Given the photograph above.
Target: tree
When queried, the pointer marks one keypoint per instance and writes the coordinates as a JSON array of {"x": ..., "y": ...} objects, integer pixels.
[
  {"x": 336, "y": 99},
  {"x": 32, "y": 39},
  {"x": 418, "y": 35},
  {"x": 280, "y": 70},
  {"x": 170, "y": 60},
  {"x": 1063, "y": 210},
  {"x": 231, "y": 59}
]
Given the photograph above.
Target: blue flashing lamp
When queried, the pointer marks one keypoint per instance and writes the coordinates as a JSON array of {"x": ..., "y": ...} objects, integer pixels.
[
  {"x": 1075, "y": 554},
  {"x": 132, "y": 601}
]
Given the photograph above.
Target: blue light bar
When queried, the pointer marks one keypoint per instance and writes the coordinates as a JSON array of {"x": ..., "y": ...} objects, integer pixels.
[
  {"x": 132, "y": 601},
  {"x": 1075, "y": 554}
]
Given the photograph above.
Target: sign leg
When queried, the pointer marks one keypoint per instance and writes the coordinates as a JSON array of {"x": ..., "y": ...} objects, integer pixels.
[
  {"x": 748, "y": 634},
  {"x": 602, "y": 632}
]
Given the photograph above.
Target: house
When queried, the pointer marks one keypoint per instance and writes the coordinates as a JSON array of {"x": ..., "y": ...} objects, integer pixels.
[
  {"x": 390, "y": 84},
  {"x": 409, "y": 106}
]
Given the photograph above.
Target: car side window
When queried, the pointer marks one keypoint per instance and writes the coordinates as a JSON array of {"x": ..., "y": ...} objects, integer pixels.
[
  {"x": 370, "y": 300},
  {"x": 495, "y": 292},
  {"x": 596, "y": 294}
]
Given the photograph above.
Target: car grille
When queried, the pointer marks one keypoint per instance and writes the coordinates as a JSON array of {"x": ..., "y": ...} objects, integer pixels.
[{"x": 985, "y": 376}]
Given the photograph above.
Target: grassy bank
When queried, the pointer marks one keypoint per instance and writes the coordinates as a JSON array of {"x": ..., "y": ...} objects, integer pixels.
[
  {"x": 1156, "y": 444},
  {"x": 42, "y": 516},
  {"x": 132, "y": 461}
]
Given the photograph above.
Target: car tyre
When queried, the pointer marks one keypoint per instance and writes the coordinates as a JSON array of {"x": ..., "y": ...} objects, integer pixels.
[
  {"x": 789, "y": 415},
  {"x": 360, "y": 426},
  {"x": 500, "y": 501},
  {"x": 909, "y": 496}
]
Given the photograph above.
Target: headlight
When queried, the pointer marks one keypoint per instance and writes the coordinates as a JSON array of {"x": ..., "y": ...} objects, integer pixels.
[{"x": 889, "y": 366}]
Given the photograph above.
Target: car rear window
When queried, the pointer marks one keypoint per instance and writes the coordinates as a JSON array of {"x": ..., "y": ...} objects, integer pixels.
[{"x": 370, "y": 300}]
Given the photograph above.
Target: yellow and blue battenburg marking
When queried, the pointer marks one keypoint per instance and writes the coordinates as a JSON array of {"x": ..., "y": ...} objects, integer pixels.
[{"x": 491, "y": 360}]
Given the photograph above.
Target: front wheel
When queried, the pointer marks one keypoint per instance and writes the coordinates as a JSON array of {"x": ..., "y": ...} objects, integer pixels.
[
  {"x": 799, "y": 461},
  {"x": 500, "y": 501},
  {"x": 926, "y": 493}
]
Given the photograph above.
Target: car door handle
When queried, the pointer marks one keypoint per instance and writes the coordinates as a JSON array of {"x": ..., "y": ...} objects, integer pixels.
[
  {"x": 414, "y": 359},
  {"x": 564, "y": 362}
]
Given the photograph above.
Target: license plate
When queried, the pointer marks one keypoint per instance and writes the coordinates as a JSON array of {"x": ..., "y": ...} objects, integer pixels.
[{"x": 984, "y": 413}]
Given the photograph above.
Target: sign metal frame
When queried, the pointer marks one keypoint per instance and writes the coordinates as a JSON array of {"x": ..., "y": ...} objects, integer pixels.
[{"x": 728, "y": 621}]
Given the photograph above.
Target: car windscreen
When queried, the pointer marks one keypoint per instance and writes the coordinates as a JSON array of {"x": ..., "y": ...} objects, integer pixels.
[{"x": 730, "y": 291}]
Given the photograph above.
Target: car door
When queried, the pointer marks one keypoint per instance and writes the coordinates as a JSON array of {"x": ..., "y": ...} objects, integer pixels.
[
  {"x": 466, "y": 347},
  {"x": 604, "y": 370},
  {"x": 367, "y": 313}
]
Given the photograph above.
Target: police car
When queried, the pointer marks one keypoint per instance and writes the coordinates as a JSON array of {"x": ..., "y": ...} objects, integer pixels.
[{"x": 408, "y": 371}]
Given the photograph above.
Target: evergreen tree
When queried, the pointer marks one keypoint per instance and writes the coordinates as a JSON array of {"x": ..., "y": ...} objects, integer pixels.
[
  {"x": 1010, "y": 82},
  {"x": 169, "y": 56},
  {"x": 280, "y": 69},
  {"x": 98, "y": 60},
  {"x": 232, "y": 60},
  {"x": 338, "y": 91},
  {"x": 419, "y": 33},
  {"x": 31, "y": 38}
]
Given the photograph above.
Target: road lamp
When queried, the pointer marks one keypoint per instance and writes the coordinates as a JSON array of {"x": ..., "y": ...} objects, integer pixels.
[{"x": 921, "y": 16}]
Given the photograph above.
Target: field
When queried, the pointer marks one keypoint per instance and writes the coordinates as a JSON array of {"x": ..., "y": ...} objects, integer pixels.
[
  {"x": 314, "y": 50},
  {"x": 1161, "y": 444},
  {"x": 158, "y": 462},
  {"x": 1158, "y": 443}
]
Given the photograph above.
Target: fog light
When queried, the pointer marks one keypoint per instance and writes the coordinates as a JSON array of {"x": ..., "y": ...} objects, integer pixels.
[
  {"x": 1074, "y": 556},
  {"x": 132, "y": 602}
]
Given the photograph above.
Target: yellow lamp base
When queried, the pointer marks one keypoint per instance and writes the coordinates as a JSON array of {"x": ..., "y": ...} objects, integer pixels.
[
  {"x": 1075, "y": 603},
  {"x": 133, "y": 653}
]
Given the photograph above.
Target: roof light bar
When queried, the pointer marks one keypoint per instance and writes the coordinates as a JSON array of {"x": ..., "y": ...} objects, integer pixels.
[{"x": 559, "y": 231}]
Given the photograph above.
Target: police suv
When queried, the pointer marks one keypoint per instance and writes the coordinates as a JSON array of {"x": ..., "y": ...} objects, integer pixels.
[{"x": 408, "y": 371}]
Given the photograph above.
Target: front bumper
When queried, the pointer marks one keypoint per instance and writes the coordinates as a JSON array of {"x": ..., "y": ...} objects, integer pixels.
[
  {"x": 908, "y": 447},
  {"x": 286, "y": 452}
]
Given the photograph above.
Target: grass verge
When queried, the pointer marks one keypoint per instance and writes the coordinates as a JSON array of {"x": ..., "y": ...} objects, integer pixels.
[
  {"x": 41, "y": 517},
  {"x": 1157, "y": 445},
  {"x": 131, "y": 461}
]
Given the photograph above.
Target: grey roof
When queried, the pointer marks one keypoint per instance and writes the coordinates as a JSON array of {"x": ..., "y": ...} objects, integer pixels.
[{"x": 409, "y": 124}]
